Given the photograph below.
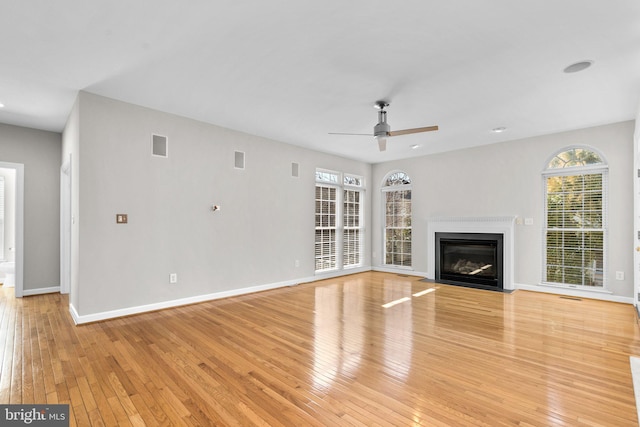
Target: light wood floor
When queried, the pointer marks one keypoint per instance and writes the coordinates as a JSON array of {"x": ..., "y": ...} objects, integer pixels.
[{"x": 327, "y": 354}]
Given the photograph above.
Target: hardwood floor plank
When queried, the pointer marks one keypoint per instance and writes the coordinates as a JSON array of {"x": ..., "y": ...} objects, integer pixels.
[
  {"x": 17, "y": 359},
  {"x": 38, "y": 375},
  {"x": 78, "y": 413},
  {"x": 328, "y": 353},
  {"x": 27, "y": 365},
  {"x": 122, "y": 419},
  {"x": 95, "y": 418}
]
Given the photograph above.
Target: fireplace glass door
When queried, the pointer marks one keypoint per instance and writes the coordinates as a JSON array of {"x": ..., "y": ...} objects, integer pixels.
[{"x": 469, "y": 259}]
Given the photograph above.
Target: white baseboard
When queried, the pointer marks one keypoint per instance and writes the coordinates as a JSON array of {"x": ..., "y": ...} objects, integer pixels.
[
  {"x": 399, "y": 270},
  {"x": 335, "y": 273},
  {"x": 40, "y": 291},
  {"x": 111, "y": 314},
  {"x": 105, "y": 315},
  {"x": 74, "y": 314},
  {"x": 595, "y": 294}
]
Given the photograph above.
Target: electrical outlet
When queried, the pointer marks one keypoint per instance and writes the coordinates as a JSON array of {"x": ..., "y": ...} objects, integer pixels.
[
  {"x": 619, "y": 275},
  {"x": 297, "y": 263},
  {"x": 173, "y": 278}
]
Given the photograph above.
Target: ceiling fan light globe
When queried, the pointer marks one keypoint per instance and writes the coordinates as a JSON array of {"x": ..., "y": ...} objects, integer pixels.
[{"x": 382, "y": 143}]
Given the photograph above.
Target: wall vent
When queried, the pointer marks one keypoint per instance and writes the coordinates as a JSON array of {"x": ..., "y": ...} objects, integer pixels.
[
  {"x": 572, "y": 298},
  {"x": 159, "y": 146},
  {"x": 295, "y": 168},
  {"x": 239, "y": 160}
]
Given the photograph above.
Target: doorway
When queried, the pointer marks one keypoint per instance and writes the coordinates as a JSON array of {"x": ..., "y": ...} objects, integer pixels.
[{"x": 19, "y": 223}]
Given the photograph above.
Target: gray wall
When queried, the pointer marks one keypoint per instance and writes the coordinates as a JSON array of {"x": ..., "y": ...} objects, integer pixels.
[
  {"x": 505, "y": 179},
  {"x": 265, "y": 223},
  {"x": 39, "y": 151}
]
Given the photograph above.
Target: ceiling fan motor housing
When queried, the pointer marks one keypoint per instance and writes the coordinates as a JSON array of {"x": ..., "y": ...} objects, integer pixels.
[{"x": 382, "y": 128}]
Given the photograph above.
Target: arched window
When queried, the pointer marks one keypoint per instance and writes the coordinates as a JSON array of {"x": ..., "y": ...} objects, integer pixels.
[
  {"x": 396, "y": 191},
  {"x": 575, "y": 218}
]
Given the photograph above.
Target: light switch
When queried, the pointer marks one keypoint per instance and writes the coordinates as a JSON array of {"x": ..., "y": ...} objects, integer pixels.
[{"x": 121, "y": 218}]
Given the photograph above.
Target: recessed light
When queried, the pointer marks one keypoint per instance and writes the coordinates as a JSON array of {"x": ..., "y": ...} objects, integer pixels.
[
  {"x": 499, "y": 129},
  {"x": 1, "y": 105},
  {"x": 578, "y": 66},
  {"x": 415, "y": 146}
]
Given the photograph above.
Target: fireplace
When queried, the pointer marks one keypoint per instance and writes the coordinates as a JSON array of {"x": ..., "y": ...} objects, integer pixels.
[
  {"x": 470, "y": 259},
  {"x": 501, "y": 225}
]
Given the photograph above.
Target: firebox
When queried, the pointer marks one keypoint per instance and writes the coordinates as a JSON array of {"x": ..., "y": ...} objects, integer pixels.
[{"x": 469, "y": 259}]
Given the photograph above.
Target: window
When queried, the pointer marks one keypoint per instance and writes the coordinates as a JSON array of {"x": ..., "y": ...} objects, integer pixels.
[
  {"x": 575, "y": 219},
  {"x": 396, "y": 193},
  {"x": 326, "y": 226},
  {"x": 339, "y": 221},
  {"x": 327, "y": 177},
  {"x": 352, "y": 221}
]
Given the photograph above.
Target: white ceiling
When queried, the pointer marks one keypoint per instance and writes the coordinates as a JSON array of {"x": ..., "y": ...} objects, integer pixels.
[{"x": 295, "y": 70}]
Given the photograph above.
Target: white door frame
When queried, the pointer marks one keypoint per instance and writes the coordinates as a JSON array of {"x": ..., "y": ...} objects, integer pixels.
[
  {"x": 65, "y": 226},
  {"x": 636, "y": 212},
  {"x": 19, "y": 244}
]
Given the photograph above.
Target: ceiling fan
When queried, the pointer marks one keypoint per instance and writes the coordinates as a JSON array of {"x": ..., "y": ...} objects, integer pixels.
[{"x": 382, "y": 130}]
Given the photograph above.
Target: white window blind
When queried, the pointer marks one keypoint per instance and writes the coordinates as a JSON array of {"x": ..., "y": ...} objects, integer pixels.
[
  {"x": 352, "y": 232},
  {"x": 325, "y": 246}
]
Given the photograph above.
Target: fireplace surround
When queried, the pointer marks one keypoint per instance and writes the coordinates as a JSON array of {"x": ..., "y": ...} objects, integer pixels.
[{"x": 502, "y": 225}]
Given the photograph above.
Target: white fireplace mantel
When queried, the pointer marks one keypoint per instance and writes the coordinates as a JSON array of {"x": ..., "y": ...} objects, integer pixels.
[{"x": 492, "y": 224}]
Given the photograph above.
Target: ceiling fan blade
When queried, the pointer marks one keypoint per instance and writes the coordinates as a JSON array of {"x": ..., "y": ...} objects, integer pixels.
[
  {"x": 415, "y": 130},
  {"x": 382, "y": 144},
  {"x": 356, "y": 134}
]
